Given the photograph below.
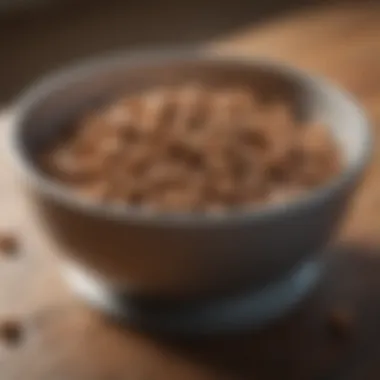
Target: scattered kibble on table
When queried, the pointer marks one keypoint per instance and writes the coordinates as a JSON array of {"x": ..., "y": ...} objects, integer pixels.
[
  {"x": 10, "y": 332},
  {"x": 340, "y": 323},
  {"x": 8, "y": 244}
]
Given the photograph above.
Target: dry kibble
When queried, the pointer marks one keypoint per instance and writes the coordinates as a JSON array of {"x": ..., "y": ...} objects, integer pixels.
[
  {"x": 193, "y": 148},
  {"x": 280, "y": 195},
  {"x": 316, "y": 139}
]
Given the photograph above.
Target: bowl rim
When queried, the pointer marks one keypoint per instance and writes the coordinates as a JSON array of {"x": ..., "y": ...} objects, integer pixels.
[{"x": 139, "y": 215}]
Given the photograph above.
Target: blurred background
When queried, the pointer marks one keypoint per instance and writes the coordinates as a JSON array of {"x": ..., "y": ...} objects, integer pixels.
[
  {"x": 338, "y": 39},
  {"x": 40, "y": 35}
]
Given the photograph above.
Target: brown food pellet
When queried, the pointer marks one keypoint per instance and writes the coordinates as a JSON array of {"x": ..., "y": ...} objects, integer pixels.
[
  {"x": 8, "y": 244},
  {"x": 340, "y": 323},
  {"x": 193, "y": 148},
  {"x": 10, "y": 332}
]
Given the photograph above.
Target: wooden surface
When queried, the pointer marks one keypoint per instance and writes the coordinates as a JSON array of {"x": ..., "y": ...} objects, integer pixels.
[{"x": 61, "y": 339}]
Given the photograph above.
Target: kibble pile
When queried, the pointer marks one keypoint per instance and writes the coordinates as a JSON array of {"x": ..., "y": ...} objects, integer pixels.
[{"x": 193, "y": 148}]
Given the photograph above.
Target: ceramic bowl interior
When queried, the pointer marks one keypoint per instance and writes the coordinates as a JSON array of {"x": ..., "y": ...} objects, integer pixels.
[{"x": 53, "y": 105}]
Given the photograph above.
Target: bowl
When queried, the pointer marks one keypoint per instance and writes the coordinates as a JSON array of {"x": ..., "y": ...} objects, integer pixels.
[{"x": 198, "y": 266}]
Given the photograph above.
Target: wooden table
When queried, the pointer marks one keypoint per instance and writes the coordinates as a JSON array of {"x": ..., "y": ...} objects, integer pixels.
[{"x": 62, "y": 339}]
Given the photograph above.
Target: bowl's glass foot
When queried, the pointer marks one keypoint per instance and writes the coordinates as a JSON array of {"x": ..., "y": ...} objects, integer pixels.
[{"x": 248, "y": 310}]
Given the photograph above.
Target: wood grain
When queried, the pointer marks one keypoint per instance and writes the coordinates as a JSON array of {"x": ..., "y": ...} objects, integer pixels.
[{"x": 62, "y": 339}]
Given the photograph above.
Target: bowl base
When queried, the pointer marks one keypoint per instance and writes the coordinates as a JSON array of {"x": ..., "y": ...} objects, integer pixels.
[{"x": 250, "y": 310}]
